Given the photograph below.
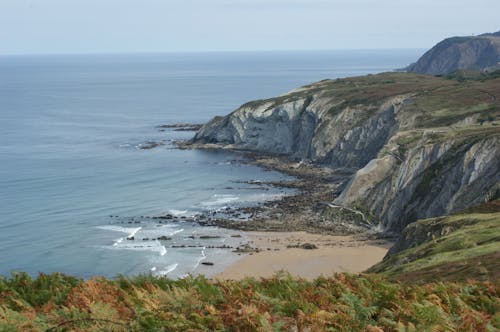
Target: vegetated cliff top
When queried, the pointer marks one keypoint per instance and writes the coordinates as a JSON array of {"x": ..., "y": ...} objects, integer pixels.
[
  {"x": 432, "y": 101},
  {"x": 460, "y": 53},
  {"x": 462, "y": 246},
  {"x": 494, "y": 34}
]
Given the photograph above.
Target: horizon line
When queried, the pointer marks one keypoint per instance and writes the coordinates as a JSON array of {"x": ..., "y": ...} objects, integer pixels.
[{"x": 207, "y": 51}]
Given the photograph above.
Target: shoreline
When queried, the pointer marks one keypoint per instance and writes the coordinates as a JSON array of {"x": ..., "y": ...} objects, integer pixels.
[
  {"x": 309, "y": 209},
  {"x": 303, "y": 233},
  {"x": 304, "y": 255}
]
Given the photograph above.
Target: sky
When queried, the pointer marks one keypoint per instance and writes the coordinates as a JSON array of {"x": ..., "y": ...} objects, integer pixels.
[{"x": 136, "y": 26}]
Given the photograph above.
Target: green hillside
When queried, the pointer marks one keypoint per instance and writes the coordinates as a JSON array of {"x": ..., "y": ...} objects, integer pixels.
[{"x": 457, "y": 247}]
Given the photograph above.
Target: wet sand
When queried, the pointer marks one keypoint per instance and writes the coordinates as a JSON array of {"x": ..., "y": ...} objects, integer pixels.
[{"x": 348, "y": 253}]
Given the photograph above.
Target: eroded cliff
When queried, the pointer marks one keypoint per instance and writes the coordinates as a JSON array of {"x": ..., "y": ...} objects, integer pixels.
[{"x": 420, "y": 146}]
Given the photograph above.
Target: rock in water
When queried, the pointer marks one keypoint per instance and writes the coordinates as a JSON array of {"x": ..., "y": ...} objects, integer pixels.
[{"x": 207, "y": 263}]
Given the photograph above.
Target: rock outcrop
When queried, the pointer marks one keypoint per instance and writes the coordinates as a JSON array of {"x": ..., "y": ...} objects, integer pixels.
[
  {"x": 434, "y": 177},
  {"x": 420, "y": 146},
  {"x": 460, "y": 53}
]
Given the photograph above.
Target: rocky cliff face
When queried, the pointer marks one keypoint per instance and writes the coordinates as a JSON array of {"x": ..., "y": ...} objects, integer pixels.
[
  {"x": 434, "y": 177},
  {"x": 305, "y": 128},
  {"x": 421, "y": 146},
  {"x": 460, "y": 53}
]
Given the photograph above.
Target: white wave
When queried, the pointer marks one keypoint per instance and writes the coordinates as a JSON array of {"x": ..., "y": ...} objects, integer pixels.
[
  {"x": 120, "y": 240},
  {"x": 153, "y": 268},
  {"x": 163, "y": 230},
  {"x": 262, "y": 197},
  {"x": 163, "y": 251},
  {"x": 128, "y": 230},
  {"x": 167, "y": 226},
  {"x": 154, "y": 246},
  {"x": 131, "y": 231},
  {"x": 203, "y": 256},
  {"x": 175, "y": 232},
  {"x": 167, "y": 270},
  {"x": 178, "y": 212},
  {"x": 135, "y": 246},
  {"x": 220, "y": 200}
]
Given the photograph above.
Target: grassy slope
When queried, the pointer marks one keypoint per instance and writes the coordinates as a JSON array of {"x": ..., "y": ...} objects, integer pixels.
[
  {"x": 461, "y": 246},
  {"x": 341, "y": 303}
]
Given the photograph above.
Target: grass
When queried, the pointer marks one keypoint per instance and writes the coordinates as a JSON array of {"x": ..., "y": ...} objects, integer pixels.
[
  {"x": 341, "y": 303},
  {"x": 468, "y": 75},
  {"x": 436, "y": 101},
  {"x": 466, "y": 238}
]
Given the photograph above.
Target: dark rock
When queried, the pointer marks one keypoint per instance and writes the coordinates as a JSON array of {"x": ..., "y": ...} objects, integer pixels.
[
  {"x": 150, "y": 145},
  {"x": 180, "y": 127},
  {"x": 308, "y": 246},
  {"x": 207, "y": 263}
]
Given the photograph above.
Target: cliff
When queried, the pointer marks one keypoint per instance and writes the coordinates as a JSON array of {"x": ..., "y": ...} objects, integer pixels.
[
  {"x": 460, "y": 53},
  {"x": 420, "y": 146}
]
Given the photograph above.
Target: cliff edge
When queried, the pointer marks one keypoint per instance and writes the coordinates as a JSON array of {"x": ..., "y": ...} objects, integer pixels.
[{"x": 419, "y": 146}]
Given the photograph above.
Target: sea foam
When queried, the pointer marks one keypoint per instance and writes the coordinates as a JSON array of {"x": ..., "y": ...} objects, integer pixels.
[
  {"x": 220, "y": 200},
  {"x": 167, "y": 270}
]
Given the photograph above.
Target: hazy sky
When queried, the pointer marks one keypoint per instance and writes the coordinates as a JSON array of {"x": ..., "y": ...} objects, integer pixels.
[{"x": 109, "y": 26}]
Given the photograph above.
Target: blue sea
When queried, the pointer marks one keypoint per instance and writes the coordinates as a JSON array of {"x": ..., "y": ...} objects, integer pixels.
[{"x": 74, "y": 182}]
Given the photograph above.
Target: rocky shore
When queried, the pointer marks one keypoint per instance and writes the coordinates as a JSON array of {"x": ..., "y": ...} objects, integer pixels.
[{"x": 308, "y": 209}]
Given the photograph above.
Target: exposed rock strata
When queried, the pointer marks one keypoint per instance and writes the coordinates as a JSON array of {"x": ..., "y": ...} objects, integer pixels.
[{"x": 422, "y": 146}]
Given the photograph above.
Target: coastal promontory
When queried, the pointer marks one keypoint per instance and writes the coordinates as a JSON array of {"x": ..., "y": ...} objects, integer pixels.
[
  {"x": 480, "y": 53},
  {"x": 416, "y": 146}
]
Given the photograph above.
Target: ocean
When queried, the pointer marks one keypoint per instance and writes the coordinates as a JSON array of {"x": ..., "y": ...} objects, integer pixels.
[{"x": 75, "y": 183}]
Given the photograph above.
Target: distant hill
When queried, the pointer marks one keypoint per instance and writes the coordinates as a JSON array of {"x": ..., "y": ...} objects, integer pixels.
[{"x": 480, "y": 53}]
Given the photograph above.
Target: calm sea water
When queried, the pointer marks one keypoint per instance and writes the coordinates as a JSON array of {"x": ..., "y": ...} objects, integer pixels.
[{"x": 70, "y": 127}]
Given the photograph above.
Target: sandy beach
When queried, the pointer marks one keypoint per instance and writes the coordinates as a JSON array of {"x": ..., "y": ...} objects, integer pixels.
[{"x": 333, "y": 254}]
